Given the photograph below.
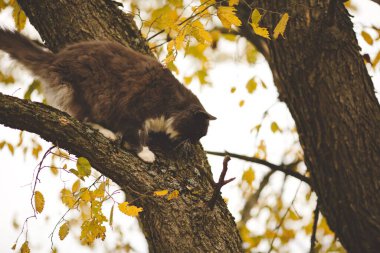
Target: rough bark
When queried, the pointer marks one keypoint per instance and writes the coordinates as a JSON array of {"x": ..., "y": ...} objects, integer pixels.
[
  {"x": 185, "y": 224},
  {"x": 321, "y": 76}
]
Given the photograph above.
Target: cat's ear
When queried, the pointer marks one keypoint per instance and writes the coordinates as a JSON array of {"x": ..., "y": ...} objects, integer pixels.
[{"x": 204, "y": 114}]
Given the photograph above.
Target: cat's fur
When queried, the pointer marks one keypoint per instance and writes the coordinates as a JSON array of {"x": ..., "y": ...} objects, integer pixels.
[{"x": 115, "y": 89}]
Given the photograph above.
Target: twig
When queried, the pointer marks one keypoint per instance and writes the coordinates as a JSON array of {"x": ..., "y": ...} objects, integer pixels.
[
  {"x": 315, "y": 225},
  {"x": 221, "y": 182},
  {"x": 285, "y": 168}
]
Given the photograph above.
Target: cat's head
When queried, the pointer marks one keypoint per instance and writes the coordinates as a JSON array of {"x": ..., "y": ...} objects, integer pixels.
[{"x": 192, "y": 124}]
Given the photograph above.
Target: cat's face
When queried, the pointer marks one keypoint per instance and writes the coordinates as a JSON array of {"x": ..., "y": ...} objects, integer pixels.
[{"x": 192, "y": 124}]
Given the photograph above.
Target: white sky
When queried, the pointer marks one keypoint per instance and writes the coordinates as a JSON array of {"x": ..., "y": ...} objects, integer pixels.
[{"x": 230, "y": 132}]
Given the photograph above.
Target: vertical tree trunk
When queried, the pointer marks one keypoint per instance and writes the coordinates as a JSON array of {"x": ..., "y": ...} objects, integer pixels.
[
  {"x": 185, "y": 224},
  {"x": 321, "y": 76}
]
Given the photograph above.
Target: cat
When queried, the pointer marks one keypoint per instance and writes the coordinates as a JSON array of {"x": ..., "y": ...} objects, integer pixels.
[{"x": 115, "y": 89}]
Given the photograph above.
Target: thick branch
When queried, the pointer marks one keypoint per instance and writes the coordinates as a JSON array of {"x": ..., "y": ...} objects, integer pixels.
[{"x": 286, "y": 169}]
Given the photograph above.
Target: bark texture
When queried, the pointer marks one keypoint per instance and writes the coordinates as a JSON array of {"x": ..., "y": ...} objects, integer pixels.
[
  {"x": 185, "y": 224},
  {"x": 321, "y": 76}
]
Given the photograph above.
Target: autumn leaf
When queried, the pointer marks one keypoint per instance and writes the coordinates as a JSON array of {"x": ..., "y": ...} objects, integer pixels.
[
  {"x": 39, "y": 201},
  {"x": 63, "y": 231},
  {"x": 25, "y": 248},
  {"x": 251, "y": 85},
  {"x": 255, "y": 19},
  {"x": 83, "y": 167},
  {"x": 130, "y": 210},
  {"x": 274, "y": 127},
  {"x": 241, "y": 103},
  {"x": 249, "y": 176},
  {"x": 67, "y": 198},
  {"x": 75, "y": 186},
  {"x": 281, "y": 26},
  {"x": 173, "y": 195},
  {"x": 85, "y": 195},
  {"x": 367, "y": 37},
  {"x": 160, "y": 193},
  {"x": 18, "y": 16},
  {"x": 111, "y": 216},
  {"x": 233, "y": 2},
  {"x": 227, "y": 16}
]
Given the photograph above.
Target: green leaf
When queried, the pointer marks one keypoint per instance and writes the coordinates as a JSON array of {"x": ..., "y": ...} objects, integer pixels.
[{"x": 83, "y": 167}]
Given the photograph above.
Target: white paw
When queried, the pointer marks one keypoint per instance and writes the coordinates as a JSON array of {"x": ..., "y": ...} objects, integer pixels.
[
  {"x": 108, "y": 134},
  {"x": 146, "y": 155}
]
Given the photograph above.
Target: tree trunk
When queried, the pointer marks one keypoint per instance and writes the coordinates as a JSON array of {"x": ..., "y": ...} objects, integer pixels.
[
  {"x": 185, "y": 224},
  {"x": 321, "y": 76}
]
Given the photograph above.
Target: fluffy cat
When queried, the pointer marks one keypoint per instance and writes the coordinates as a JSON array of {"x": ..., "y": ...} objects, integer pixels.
[{"x": 114, "y": 89}]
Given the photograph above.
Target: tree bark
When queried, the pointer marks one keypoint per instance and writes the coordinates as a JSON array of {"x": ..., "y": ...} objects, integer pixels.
[
  {"x": 185, "y": 224},
  {"x": 322, "y": 78}
]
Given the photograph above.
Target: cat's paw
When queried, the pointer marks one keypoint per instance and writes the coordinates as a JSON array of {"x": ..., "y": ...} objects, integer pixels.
[
  {"x": 146, "y": 155},
  {"x": 108, "y": 134}
]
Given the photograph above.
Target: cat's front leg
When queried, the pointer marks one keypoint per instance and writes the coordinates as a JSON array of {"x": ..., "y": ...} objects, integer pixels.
[
  {"x": 106, "y": 132},
  {"x": 135, "y": 140}
]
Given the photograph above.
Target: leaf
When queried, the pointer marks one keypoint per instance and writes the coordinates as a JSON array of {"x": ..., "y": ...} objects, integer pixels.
[
  {"x": 367, "y": 37},
  {"x": 173, "y": 195},
  {"x": 35, "y": 85},
  {"x": 255, "y": 19},
  {"x": 75, "y": 186},
  {"x": 249, "y": 176},
  {"x": 160, "y": 193},
  {"x": 274, "y": 127},
  {"x": 14, "y": 245},
  {"x": 241, "y": 103},
  {"x": 233, "y": 89},
  {"x": 261, "y": 31},
  {"x": 67, "y": 198},
  {"x": 11, "y": 148},
  {"x": 281, "y": 26},
  {"x": 130, "y": 210},
  {"x": 85, "y": 196},
  {"x": 83, "y": 167},
  {"x": 25, "y": 248},
  {"x": 251, "y": 85},
  {"x": 376, "y": 60},
  {"x": 227, "y": 16},
  {"x": 63, "y": 231},
  {"x": 18, "y": 16},
  {"x": 99, "y": 192},
  {"x": 39, "y": 201},
  {"x": 111, "y": 215}
]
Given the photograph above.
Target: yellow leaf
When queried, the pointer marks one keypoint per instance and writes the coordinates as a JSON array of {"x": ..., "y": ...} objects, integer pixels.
[
  {"x": 67, "y": 198},
  {"x": 261, "y": 31},
  {"x": 25, "y": 248},
  {"x": 18, "y": 16},
  {"x": 130, "y": 210},
  {"x": 83, "y": 167},
  {"x": 249, "y": 176},
  {"x": 85, "y": 196},
  {"x": 11, "y": 148},
  {"x": 241, "y": 103},
  {"x": 281, "y": 26},
  {"x": 199, "y": 33},
  {"x": 14, "y": 245},
  {"x": 274, "y": 127},
  {"x": 367, "y": 37},
  {"x": 173, "y": 195},
  {"x": 233, "y": 2},
  {"x": 233, "y": 89},
  {"x": 251, "y": 86},
  {"x": 376, "y": 60},
  {"x": 160, "y": 193},
  {"x": 39, "y": 201},
  {"x": 63, "y": 231},
  {"x": 227, "y": 16},
  {"x": 99, "y": 192},
  {"x": 111, "y": 215},
  {"x": 75, "y": 186},
  {"x": 255, "y": 17}
]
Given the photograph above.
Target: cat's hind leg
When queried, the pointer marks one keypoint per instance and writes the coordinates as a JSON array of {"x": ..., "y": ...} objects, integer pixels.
[{"x": 135, "y": 140}]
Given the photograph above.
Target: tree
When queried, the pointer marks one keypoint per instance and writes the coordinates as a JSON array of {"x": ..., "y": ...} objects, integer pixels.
[{"x": 328, "y": 106}]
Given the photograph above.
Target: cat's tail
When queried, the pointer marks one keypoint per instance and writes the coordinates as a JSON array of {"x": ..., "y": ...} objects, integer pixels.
[{"x": 25, "y": 51}]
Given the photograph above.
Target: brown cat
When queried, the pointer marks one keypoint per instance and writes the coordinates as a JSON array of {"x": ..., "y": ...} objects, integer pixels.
[{"x": 114, "y": 89}]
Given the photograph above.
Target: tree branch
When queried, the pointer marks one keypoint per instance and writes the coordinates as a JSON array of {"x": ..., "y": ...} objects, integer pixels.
[{"x": 285, "y": 168}]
